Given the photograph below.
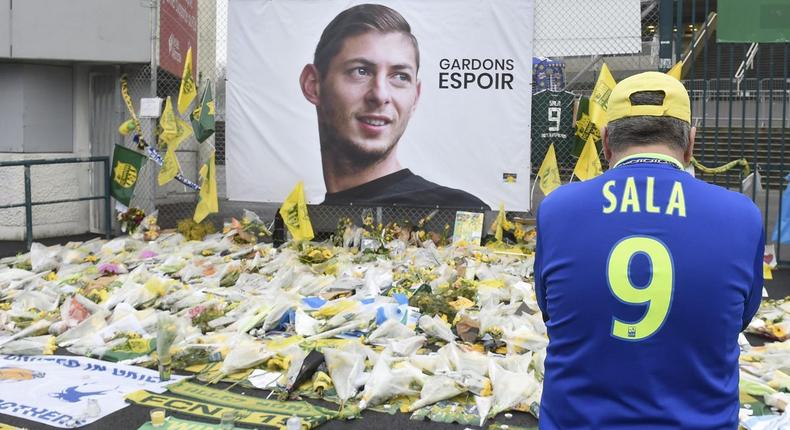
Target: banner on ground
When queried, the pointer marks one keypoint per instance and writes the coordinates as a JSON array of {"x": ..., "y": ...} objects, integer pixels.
[
  {"x": 469, "y": 128},
  {"x": 56, "y": 390}
]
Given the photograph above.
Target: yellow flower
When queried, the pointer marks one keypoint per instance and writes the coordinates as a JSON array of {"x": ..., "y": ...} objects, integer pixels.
[
  {"x": 90, "y": 259},
  {"x": 207, "y": 252},
  {"x": 52, "y": 276},
  {"x": 5, "y": 306},
  {"x": 327, "y": 254},
  {"x": 50, "y": 347}
]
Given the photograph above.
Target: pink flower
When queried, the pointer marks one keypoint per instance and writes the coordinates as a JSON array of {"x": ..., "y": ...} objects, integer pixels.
[
  {"x": 147, "y": 253},
  {"x": 109, "y": 268},
  {"x": 196, "y": 311}
]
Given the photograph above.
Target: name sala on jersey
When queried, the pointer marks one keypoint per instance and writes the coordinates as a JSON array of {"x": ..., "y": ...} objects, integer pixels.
[{"x": 634, "y": 200}]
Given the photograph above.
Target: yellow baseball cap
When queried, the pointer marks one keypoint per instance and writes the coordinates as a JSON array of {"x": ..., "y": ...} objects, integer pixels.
[{"x": 676, "y": 98}]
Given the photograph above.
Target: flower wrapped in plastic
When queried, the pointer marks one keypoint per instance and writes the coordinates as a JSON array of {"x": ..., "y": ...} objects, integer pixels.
[
  {"x": 345, "y": 368},
  {"x": 131, "y": 219},
  {"x": 244, "y": 354},
  {"x": 34, "y": 345},
  {"x": 390, "y": 378},
  {"x": 435, "y": 389},
  {"x": 250, "y": 229},
  {"x": 436, "y": 327}
]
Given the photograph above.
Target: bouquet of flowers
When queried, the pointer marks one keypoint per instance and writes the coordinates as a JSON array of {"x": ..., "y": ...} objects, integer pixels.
[
  {"x": 131, "y": 219},
  {"x": 248, "y": 230}
]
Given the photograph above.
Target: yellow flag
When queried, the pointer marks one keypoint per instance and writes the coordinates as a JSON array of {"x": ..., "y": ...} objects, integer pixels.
[
  {"x": 294, "y": 213},
  {"x": 599, "y": 100},
  {"x": 767, "y": 275},
  {"x": 187, "y": 92},
  {"x": 677, "y": 70},
  {"x": 549, "y": 173},
  {"x": 501, "y": 223},
  {"x": 173, "y": 131},
  {"x": 589, "y": 165},
  {"x": 208, "y": 202},
  {"x": 170, "y": 166}
]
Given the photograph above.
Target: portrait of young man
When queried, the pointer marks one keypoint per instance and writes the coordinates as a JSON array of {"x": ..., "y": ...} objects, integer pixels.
[{"x": 365, "y": 86}]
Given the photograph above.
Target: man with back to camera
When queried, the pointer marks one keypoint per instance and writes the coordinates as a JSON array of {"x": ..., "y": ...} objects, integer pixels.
[
  {"x": 645, "y": 277},
  {"x": 363, "y": 82}
]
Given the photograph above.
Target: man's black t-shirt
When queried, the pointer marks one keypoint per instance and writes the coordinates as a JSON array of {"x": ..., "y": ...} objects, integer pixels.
[{"x": 406, "y": 189}]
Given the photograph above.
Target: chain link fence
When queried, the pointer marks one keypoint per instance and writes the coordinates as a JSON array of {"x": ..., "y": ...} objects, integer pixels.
[{"x": 558, "y": 106}]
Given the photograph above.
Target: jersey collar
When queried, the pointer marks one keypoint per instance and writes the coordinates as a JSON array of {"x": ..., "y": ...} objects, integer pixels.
[{"x": 654, "y": 155}]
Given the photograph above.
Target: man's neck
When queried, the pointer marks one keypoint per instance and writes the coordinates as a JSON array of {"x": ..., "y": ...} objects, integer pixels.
[
  {"x": 340, "y": 176},
  {"x": 653, "y": 149}
]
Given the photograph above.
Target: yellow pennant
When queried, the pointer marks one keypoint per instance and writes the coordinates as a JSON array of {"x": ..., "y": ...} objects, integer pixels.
[
  {"x": 174, "y": 130},
  {"x": 589, "y": 165},
  {"x": 187, "y": 91},
  {"x": 677, "y": 70},
  {"x": 549, "y": 173},
  {"x": 208, "y": 202},
  {"x": 294, "y": 214},
  {"x": 501, "y": 224},
  {"x": 170, "y": 166},
  {"x": 599, "y": 100},
  {"x": 767, "y": 274}
]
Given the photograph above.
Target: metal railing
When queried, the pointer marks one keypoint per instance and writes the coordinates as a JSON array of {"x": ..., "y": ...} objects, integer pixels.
[{"x": 29, "y": 203}]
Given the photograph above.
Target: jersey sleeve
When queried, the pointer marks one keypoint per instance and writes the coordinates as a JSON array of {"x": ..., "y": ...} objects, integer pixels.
[
  {"x": 540, "y": 287},
  {"x": 756, "y": 290}
]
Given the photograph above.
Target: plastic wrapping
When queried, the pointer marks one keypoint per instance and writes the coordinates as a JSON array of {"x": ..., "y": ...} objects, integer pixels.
[
  {"x": 345, "y": 368},
  {"x": 389, "y": 330},
  {"x": 436, "y": 389},
  {"x": 244, "y": 354},
  {"x": 510, "y": 388},
  {"x": 43, "y": 258},
  {"x": 437, "y": 328},
  {"x": 386, "y": 382}
]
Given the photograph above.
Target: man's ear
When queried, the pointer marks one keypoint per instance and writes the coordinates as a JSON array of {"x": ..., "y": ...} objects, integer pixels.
[
  {"x": 689, "y": 152},
  {"x": 311, "y": 86},
  {"x": 417, "y": 97},
  {"x": 607, "y": 151}
]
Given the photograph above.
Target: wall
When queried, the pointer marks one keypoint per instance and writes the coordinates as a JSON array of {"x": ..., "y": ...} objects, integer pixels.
[
  {"x": 52, "y": 182},
  {"x": 76, "y": 30}
]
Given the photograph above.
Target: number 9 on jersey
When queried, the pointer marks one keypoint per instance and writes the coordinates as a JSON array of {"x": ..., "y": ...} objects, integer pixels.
[{"x": 657, "y": 294}]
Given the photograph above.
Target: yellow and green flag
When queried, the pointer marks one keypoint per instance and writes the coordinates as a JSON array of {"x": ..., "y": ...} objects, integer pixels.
[
  {"x": 294, "y": 214},
  {"x": 589, "y": 165},
  {"x": 126, "y": 165},
  {"x": 187, "y": 92},
  {"x": 173, "y": 131},
  {"x": 677, "y": 70},
  {"x": 599, "y": 100},
  {"x": 203, "y": 115},
  {"x": 549, "y": 173},
  {"x": 208, "y": 202}
]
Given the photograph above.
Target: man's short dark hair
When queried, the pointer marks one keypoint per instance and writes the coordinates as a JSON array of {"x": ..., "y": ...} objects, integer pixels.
[
  {"x": 355, "y": 21},
  {"x": 647, "y": 130}
]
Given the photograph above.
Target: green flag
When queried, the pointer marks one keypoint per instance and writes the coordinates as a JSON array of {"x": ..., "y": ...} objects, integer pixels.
[
  {"x": 203, "y": 115},
  {"x": 126, "y": 165}
]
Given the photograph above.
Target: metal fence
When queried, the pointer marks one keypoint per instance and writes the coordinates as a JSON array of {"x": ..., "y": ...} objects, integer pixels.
[{"x": 739, "y": 95}]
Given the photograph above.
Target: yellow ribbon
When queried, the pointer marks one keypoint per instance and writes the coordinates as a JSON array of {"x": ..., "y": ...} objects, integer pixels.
[
  {"x": 141, "y": 144},
  {"x": 721, "y": 169}
]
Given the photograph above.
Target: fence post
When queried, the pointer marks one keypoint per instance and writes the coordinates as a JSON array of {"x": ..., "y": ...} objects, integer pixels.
[
  {"x": 107, "y": 210},
  {"x": 28, "y": 210}
]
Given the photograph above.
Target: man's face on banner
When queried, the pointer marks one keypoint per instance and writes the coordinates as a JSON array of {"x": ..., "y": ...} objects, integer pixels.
[{"x": 368, "y": 95}]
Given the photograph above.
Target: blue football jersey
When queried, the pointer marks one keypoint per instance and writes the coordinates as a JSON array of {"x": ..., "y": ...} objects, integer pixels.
[{"x": 645, "y": 276}]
